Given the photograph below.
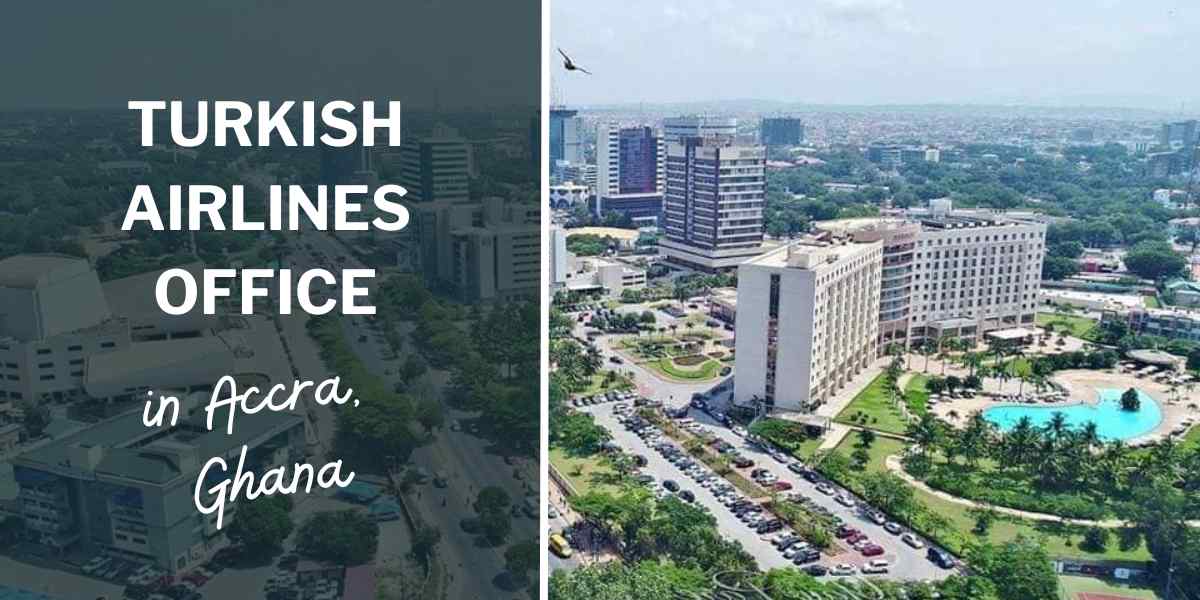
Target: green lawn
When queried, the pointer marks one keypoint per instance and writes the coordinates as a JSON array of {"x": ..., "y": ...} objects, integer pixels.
[
  {"x": 594, "y": 474},
  {"x": 1151, "y": 302},
  {"x": 598, "y": 386},
  {"x": 872, "y": 408},
  {"x": 1079, "y": 327},
  {"x": 1061, "y": 542},
  {"x": 915, "y": 395},
  {"x": 1070, "y": 586},
  {"x": 706, "y": 370}
]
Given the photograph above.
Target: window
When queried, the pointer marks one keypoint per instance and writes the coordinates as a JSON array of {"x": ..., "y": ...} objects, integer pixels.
[
  {"x": 75, "y": 348},
  {"x": 47, "y": 378},
  {"x": 108, "y": 344},
  {"x": 43, "y": 351}
]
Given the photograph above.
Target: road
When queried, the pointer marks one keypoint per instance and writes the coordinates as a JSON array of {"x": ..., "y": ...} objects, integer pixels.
[
  {"x": 908, "y": 563},
  {"x": 464, "y": 459}
]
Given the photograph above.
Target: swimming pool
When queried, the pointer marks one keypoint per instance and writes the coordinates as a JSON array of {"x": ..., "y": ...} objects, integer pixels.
[{"x": 1112, "y": 423}]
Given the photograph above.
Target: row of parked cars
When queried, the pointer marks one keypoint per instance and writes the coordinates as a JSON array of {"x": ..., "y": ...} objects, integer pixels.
[{"x": 148, "y": 582}]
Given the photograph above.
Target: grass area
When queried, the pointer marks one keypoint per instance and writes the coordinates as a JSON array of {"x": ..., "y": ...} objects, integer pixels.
[
  {"x": 586, "y": 473},
  {"x": 792, "y": 437},
  {"x": 1060, "y": 541},
  {"x": 1151, "y": 302},
  {"x": 598, "y": 386},
  {"x": 872, "y": 408},
  {"x": 1070, "y": 586},
  {"x": 1079, "y": 327},
  {"x": 915, "y": 395},
  {"x": 707, "y": 370}
]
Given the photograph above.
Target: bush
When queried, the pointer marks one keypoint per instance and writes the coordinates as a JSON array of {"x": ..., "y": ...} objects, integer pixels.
[{"x": 1095, "y": 539}]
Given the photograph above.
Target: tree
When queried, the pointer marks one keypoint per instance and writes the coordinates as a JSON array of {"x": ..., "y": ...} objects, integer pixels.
[
  {"x": 424, "y": 543},
  {"x": 261, "y": 525},
  {"x": 492, "y": 507},
  {"x": 1154, "y": 260},
  {"x": 1095, "y": 539},
  {"x": 888, "y": 492},
  {"x": 1059, "y": 267},
  {"x": 346, "y": 537},
  {"x": 984, "y": 517},
  {"x": 429, "y": 414},
  {"x": 1130, "y": 401},
  {"x": 521, "y": 557},
  {"x": 1020, "y": 568}
]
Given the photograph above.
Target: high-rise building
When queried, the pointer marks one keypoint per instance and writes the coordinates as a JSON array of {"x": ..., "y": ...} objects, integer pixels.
[
  {"x": 807, "y": 323},
  {"x": 564, "y": 137},
  {"x": 629, "y": 160},
  {"x": 781, "y": 131},
  {"x": 678, "y": 128},
  {"x": 1179, "y": 133},
  {"x": 436, "y": 168},
  {"x": 713, "y": 205}
]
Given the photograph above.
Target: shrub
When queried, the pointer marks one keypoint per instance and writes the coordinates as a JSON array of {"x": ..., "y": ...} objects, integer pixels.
[{"x": 1095, "y": 539}]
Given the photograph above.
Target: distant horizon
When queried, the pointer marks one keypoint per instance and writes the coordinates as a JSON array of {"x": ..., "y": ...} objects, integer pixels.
[{"x": 1069, "y": 53}]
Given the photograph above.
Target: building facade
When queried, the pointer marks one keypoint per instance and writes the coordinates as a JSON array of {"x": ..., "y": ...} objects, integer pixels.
[
  {"x": 676, "y": 129},
  {"x": 126, "y": 489},
  {"x": 713, "y": 205},
  {"x": 436, "y": 168},
  {"x": 629, "y": 160},
  {"x": 565, "y": 146},
  {"x": 781, "y": 131},
  {"x": 807, "y": 323}
]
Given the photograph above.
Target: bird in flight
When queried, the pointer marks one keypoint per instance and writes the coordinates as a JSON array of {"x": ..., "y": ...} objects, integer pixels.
[{"x": 569, "y": 65}]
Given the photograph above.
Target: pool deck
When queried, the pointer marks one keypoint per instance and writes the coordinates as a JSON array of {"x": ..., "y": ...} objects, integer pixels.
[{"x": 1083, "y": 387}]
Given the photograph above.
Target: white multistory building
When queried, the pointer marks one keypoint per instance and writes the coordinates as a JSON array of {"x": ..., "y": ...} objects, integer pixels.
[
  {"x": 952, "y": 273},
  {"x": 629, "y": 160},
  {"x": 807, "y": 322}
]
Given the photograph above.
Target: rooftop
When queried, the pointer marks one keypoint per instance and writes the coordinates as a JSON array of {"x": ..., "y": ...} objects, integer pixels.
[
  {"x": 26, "y": 271},
  {"x": 128, "y": 449}
]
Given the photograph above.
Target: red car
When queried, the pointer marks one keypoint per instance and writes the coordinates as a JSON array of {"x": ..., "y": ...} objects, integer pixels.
[
  {"x": 782, "y": 486},
  {"x": 855, "y": 537},
  {"x": 845, "y": 532},
  {"x": 872, "y": 550}
]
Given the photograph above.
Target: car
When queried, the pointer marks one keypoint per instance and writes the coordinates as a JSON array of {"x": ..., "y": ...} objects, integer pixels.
[
  {"x": 877, "y": 518},
  {"x": 940, "y": 558},
  {"x": 811, "y": 476},
  {"x": 687, "y": 496},
  {"x": 845, "y": 531},
  {"x": 726, "y": 370},
  {"x": 796, "y": 467},
  {"x": 876, "y": 567},
  {"x": 842, "y": 570},
  {"x": 856, "y": 537},
  {"x": 559, "y": 545},
  {"x": 615, "y": 359},
  {"x": 671, "y": 486},
  {"x": 786, "y": 540},
  {"x": 871, "y": 550},
  {"x": 844, "y": 500},
  {"x": 742, "y": 462},
  {"x": 816, "y": 570},
  {"x": 807, "y": 556},
  {"x": 892, "y": 527},
  {"x": 781, "y": 486},
  {"x": 769, "y": 526},
  {"x": 825, "y": 488},
  {"x": 738, "y": 430},
  {"x": 912, "y": 540}
]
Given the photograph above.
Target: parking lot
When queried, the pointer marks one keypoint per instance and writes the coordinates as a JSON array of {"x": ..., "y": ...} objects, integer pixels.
[{"x": 738, "y": 521}]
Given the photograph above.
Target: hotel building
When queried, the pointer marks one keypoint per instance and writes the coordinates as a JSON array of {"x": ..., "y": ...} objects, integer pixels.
[{"x": 807, "y": 322}]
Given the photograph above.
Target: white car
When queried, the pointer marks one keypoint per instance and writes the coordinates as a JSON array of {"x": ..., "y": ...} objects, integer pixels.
[
  {"x": 876, "y": 566},
  {"x": 912, "y": 540},
  {"x": 844, "y": 500},
  {"x": 825, "y": 488},
  {"x": 842, "y": 569}
]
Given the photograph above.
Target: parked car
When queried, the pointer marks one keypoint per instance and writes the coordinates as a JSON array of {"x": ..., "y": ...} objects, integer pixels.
[
  {"x": 871, "y": 550},
  {"x": 876, "y": 566},
  {"x": 687, "y": 496},
  {"x": 842, "y": 570},
  {"x": 940, "y": 558},
  {"x": 816, "y": 570},
  {"x": 912, "y": 540},
  {"x": 893, "y": 527},
  {"x": 781, "y": 486}
]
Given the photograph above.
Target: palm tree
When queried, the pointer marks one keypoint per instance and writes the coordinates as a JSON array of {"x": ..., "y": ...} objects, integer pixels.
[
  {"x": 927, "y": 432},
  {"x": 927, "y": 349},
  {"x": 1056, "y": 427}
]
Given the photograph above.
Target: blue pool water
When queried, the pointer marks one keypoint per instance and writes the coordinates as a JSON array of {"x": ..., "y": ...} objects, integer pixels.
[{"x": 1112, "y": 423}]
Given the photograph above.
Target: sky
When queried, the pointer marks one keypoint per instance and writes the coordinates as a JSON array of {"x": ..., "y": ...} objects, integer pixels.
[{"x": 1136, "y": 54}]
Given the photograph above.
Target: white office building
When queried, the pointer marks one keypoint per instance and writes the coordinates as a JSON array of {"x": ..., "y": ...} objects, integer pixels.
[
  {"x": 807, "y": 322},
  {"x": 629, "y": 160}
]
